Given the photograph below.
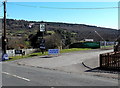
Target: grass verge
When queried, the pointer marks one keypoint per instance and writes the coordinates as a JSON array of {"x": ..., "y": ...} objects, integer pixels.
[
  {"x": 73, "y": 49},
  {"x": 107, "y": 46},
  {"x": 46, "y": 53}
]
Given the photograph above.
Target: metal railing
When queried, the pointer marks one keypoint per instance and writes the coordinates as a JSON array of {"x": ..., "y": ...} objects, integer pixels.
[{"x": 110, "y": 60}]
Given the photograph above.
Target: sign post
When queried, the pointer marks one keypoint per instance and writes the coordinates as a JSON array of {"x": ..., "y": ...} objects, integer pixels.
[
  {"x": 42, "y": 44},
  {"x": 42, "y": 29}
]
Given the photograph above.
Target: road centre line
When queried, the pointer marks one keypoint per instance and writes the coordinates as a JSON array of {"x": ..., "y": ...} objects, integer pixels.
[{"x": 16, "y": 76}]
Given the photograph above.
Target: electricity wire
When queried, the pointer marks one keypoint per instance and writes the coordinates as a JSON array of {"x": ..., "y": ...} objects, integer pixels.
[{"x": 62, "y": 7}]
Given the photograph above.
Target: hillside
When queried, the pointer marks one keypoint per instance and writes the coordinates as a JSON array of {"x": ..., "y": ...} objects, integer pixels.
[
  {"x": 82, "y": 31},
  {"x": 57, "y": 34}
]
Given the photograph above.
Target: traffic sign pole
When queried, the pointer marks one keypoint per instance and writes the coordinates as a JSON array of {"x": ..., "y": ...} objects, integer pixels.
[{"x": 42, "y": 29}]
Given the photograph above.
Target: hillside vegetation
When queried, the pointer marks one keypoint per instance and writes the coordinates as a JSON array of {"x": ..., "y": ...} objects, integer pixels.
[{"x": 57, "y": 34}]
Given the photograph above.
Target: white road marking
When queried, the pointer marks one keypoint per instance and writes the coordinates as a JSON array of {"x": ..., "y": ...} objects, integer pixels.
[{"x": 16, "y": 76}]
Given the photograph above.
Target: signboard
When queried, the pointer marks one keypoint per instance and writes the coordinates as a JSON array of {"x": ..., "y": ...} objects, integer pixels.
[
  {"x": 42, "y": 27},
  {"x": 30, "y": 25},
  {"x": 53, "y": 51},
  {"x": 5, "y": 57},
  {"x": 18, "y": 51},
  {"x": 42, "y": 46}
]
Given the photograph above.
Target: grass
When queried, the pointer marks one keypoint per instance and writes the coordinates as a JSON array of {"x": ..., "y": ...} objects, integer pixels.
[
  {"x": 73, "y": 49},
  {"x": 73, "y": 33},
  {"x": 46, "y": 53},
  {"x": 26, "y": 56},
  {"x": 52, "y": 32},
  {"x": 107, "y": 46}
]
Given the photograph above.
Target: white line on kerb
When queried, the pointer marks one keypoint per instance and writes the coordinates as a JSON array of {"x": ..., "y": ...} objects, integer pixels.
[{"x": 16, "y": 76}]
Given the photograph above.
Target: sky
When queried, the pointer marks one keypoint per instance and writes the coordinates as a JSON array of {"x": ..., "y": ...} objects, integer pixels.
[{"x": 65, "y": 12}]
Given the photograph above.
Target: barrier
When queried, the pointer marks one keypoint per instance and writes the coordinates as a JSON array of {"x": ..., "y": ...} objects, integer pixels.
[{"x": 110, "y": 60}]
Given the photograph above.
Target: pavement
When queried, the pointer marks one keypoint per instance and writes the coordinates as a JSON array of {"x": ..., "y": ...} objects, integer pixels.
[{"x": 82, "y": 62}]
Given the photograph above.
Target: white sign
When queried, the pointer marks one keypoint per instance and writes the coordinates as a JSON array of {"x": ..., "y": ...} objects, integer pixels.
[
  {"x": 89, "y": 40},
  {"x": 42, "y": 47},
  {"x": 30, "y": 25},
  {"x": 42, "y": 27}
]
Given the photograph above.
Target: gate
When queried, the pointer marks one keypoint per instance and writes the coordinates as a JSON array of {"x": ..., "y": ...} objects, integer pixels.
[{"x": 110, "y": 60}]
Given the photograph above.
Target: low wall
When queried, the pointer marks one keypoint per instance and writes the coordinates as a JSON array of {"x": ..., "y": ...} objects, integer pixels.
[{"x": 27, "y": 51}]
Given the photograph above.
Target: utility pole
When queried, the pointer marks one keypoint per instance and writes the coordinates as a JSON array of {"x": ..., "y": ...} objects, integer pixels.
[{"x": 4, "y": 35}]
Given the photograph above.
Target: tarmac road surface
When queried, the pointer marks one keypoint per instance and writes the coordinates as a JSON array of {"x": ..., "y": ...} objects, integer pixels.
[
  {"x": 14, "y": 75},
  {"x": 55, "y": 71}
]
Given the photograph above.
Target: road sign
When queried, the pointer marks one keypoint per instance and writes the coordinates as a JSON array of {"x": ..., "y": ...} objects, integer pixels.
[
  {"x": 42, "y": 27},
  {"x": 5, "y": 57},
  {"x": 43, "y": 41},
  {"x": 18, "y": 51},
  {"x": 42, "y": 46},
  {"x": 53, "y": 51},
  {"x": 30, "y": 25}
]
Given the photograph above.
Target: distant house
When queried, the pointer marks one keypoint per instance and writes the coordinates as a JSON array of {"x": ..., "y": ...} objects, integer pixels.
[{"x": 88, "y": 40}]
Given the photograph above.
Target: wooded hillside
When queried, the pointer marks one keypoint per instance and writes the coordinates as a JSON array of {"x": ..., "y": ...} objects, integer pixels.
[
  {"x": 19, "y": 34},
  {"x": 82, "y": 31}
]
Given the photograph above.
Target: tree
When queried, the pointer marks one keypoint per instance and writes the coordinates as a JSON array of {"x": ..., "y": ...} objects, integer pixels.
[
  {"x": 53, "y": 41},
  {"x": 66, "y": 37}
]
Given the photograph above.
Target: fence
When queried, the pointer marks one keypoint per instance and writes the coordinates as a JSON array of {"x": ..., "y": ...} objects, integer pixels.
[
  {"x": 110, "y": 60},
  {"x": 107, "y": 44}
]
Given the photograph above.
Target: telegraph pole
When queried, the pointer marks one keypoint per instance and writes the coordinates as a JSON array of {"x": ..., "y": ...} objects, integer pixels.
[{"x": 4, "y": 35}]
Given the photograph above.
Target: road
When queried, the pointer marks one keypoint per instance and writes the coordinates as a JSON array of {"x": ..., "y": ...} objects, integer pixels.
[
  {"x": 66, "y": 62},
  {"x": 53, "y": 71},
  {"x": 14, "y": 75}
]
